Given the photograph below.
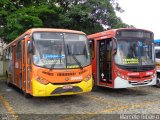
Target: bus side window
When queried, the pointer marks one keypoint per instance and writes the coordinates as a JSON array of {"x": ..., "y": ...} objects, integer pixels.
[
  {"x": 10, "y": 54},
  {"x": 10, "y": 60},
  {"x": 91, "y": 47}
]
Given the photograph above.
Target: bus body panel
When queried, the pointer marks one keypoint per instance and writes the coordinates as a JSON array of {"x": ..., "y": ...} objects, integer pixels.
[
  {"x": 76, "y": 80},
  {"x": 56, "y": 90},
  {"x": 62, "y": 76},
  {"x": 120, "y": 83}
]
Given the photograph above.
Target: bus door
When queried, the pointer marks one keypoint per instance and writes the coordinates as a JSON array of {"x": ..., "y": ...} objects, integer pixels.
[
  {"x": 16, "y": 64},
  {"x": 26, "y": 65},
  {"x": 105, "y": 61}
]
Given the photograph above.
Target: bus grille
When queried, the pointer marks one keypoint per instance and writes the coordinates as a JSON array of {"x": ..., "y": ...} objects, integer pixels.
[
  {"x": 134, "y": 77},
  {"x": 138, "y": 77},
  {"x": 60, "y": 90},
  {"x": 140, "y": 82},
  {"x": 66, "y": 83},
  {"x": 147, "y": 76}
]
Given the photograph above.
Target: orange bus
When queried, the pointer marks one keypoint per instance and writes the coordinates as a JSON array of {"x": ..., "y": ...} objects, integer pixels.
[
  {"x": 123, "y": 58},
  {"x": 49, "y": 62}
]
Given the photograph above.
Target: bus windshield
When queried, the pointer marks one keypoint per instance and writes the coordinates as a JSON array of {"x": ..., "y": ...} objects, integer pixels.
[
  {"x": 134, "y": 51},
  {"x": 60, "y": 50}
]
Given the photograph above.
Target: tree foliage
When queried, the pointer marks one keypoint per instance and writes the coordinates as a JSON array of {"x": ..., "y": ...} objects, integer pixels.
[{"x": 16, "y": 16}]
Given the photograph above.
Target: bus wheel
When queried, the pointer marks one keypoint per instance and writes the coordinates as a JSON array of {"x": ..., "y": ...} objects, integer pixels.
[
  {"x": 27, "y": 95},
  {"x": 158, "y": 79},
  {"x": 158, "y": 82},
  {"x": 94, "y": 87}
]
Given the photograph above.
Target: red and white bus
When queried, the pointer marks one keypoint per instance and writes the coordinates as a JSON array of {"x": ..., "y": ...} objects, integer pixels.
[{"x": 123, "y": 58}]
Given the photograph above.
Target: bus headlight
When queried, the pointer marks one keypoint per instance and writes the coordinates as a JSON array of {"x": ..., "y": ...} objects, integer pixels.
[
  {"x": 121, "y": 75},
  {"x": 42, "y": 81},
  {"x": 88, "y": 77}
]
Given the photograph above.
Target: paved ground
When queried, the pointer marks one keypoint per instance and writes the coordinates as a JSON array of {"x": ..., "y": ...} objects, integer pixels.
[{"x": 105, "y": 103}]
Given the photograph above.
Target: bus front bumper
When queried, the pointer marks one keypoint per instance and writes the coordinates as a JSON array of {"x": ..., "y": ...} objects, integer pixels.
[
  {"x": 39, "y": 89},
  {"x": 122, "y": 83}
]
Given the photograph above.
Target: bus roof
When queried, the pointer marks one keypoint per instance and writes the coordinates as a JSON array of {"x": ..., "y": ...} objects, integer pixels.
[
  {"x": 111, "y": 32},
  {"x": 55, "y": 30},
  {"x": 30, "y": 31}
]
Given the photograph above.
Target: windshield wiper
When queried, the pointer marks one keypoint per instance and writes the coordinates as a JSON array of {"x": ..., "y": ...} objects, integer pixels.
[
  {"x": 79, "y": 64},
  {"x": 52, "y": 66}
]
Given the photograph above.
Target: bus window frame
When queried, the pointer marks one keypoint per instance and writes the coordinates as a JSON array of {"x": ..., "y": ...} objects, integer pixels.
[
  {"x": 18, "y": 50},
  {"x": 10, "y": 53},
  {"x": 91, "y": 45},
  {"x": 114, "y": 45},
  {"x": 29, "y": 53}
]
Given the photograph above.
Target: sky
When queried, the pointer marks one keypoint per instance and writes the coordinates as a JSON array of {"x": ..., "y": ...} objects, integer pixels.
[{"x": 144, "y": 14}]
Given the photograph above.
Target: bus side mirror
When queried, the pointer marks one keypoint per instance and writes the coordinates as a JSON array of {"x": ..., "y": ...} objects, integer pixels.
[
  {"x": 30, "y": 47},
  {"x": 114, "y": 45}
]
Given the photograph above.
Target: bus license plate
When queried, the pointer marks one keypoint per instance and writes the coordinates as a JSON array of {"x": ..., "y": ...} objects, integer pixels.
[
  {"x": 141, "y": 82},
  {"x": 67, "y": 87}
]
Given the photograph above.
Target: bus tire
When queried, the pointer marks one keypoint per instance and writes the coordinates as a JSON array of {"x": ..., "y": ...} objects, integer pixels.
[
  {"x": 94, "y": 86},
  {"x": 158, "y": 82},
  {"x": 27, "y": 95}
]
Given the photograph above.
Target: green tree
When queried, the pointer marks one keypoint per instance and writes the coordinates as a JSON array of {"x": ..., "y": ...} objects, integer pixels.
[
  {"x": 90, "y": 15},
  {"x": 16, "y": 16}
]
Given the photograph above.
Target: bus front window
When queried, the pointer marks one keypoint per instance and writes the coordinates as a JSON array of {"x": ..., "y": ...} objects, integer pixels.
[
  {"x": 49, "y": 53},
  {"x": 77, "y": 51},
  {"x": 60, "y": 50},
  {"x": 134, "y": 52}
]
